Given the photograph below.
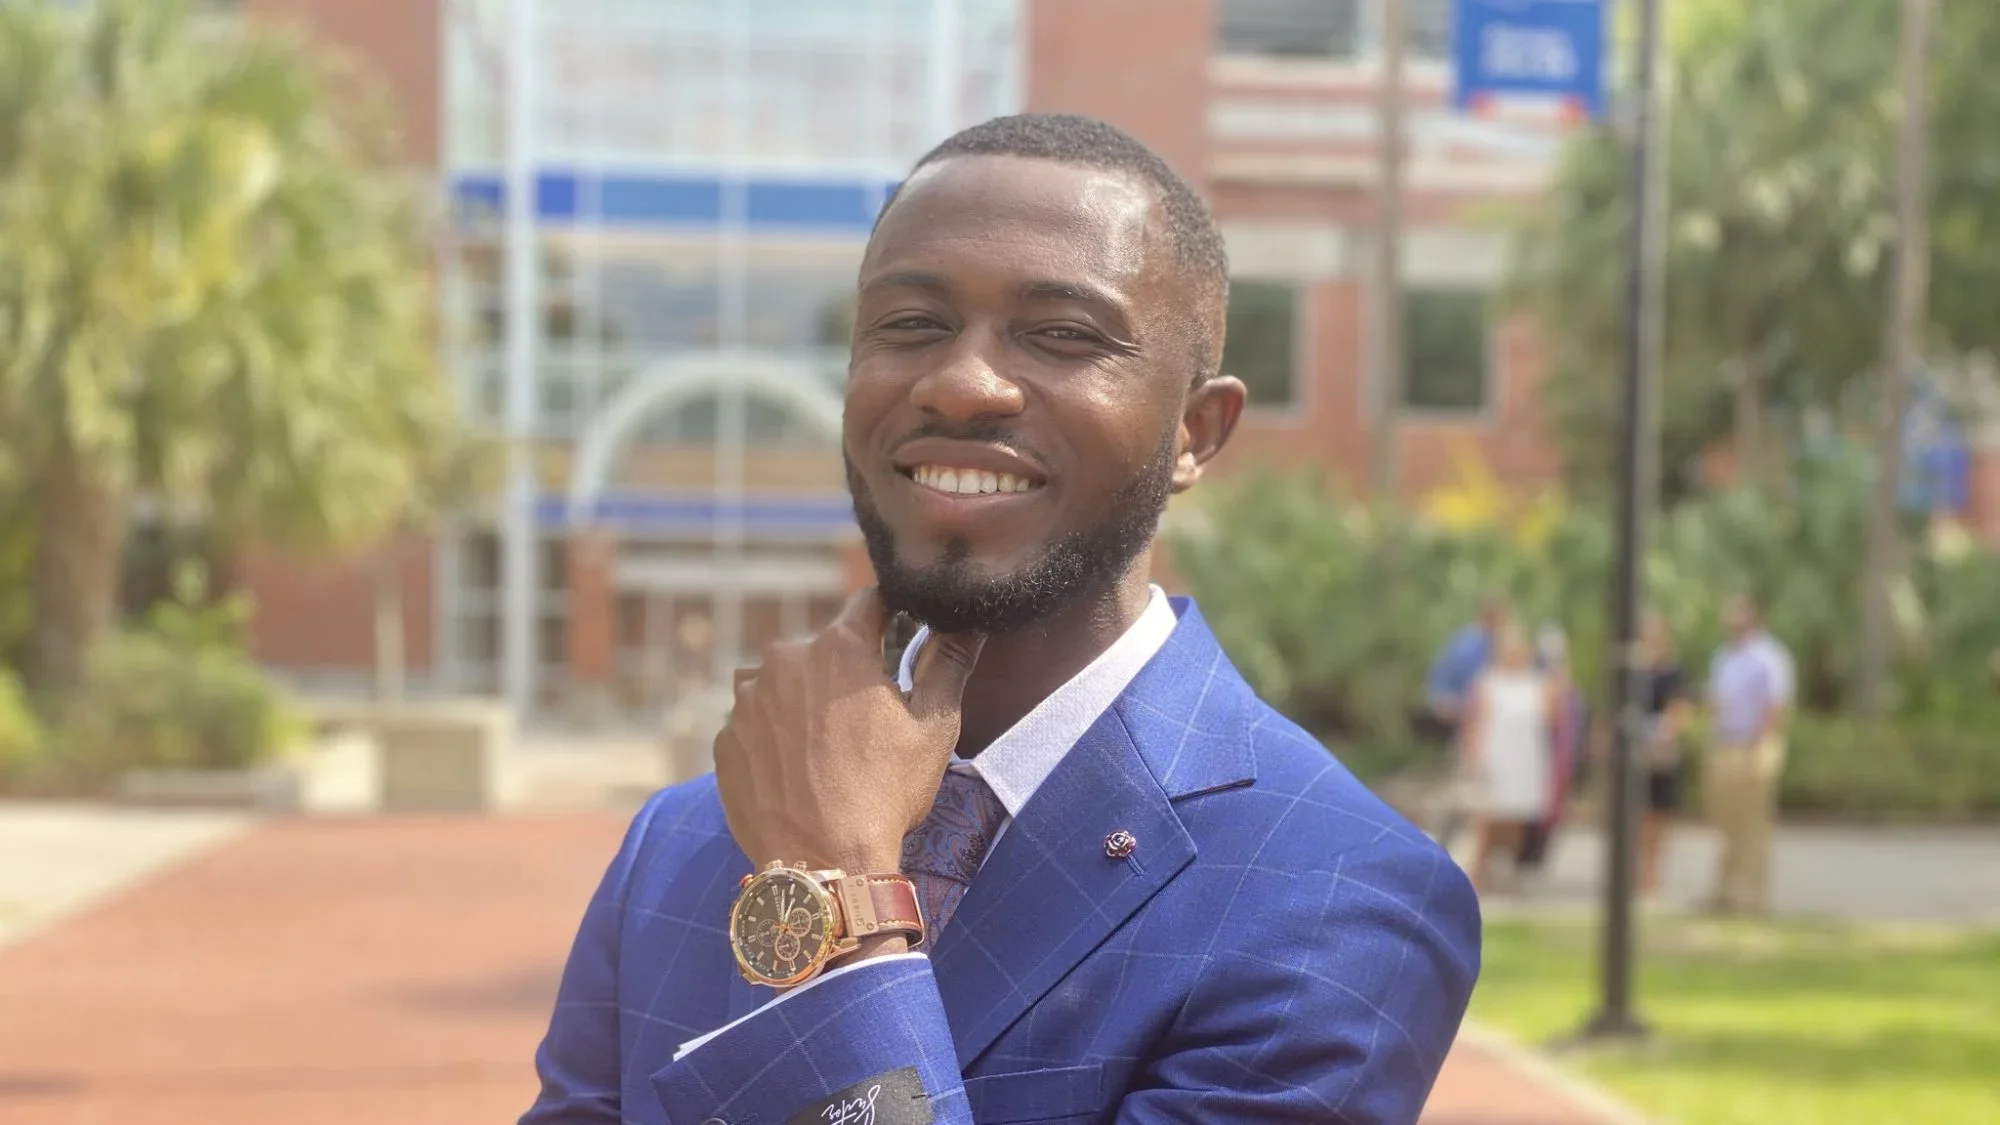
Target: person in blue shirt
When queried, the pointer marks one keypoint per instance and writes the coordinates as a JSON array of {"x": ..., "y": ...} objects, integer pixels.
[{"x": 1459, "y": 661}]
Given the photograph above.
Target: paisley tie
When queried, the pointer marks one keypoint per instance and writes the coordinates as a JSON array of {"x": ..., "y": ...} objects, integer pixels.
[{"x": 943, "y": 854}]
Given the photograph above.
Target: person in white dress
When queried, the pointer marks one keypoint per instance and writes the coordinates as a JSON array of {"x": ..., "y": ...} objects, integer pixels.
[{"x": 1506, "y": 750}]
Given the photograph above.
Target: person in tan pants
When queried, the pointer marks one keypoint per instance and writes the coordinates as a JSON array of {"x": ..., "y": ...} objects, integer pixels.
[{"x": 1750, "y": 694}]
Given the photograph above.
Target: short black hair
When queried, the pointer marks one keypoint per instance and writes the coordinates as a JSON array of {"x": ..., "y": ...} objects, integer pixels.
[{"x": 1086, "y": 142}]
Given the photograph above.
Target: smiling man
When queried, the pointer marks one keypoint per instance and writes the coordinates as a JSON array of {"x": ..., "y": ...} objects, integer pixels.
[{"x": 1066, "y": 866}]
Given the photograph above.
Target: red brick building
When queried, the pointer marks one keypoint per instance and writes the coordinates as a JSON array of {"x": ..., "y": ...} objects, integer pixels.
[{"x": 1268, "y": 105}]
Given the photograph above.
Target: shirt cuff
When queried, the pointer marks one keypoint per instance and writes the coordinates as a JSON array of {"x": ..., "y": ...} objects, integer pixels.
[{"x": 689, "y": 1046}]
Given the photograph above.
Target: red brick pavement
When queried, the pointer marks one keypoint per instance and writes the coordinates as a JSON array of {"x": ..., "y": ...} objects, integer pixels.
[
  {"x": 312, "y": 972},
  {"x": 341, "y": 972},
  {"x": 1479, "y": 1087}
]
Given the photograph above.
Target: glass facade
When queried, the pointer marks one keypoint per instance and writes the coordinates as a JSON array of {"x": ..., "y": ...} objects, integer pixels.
[
  {"x": 814, "y": 85},
  {"x": 705, "y": 178},
  {"x": 1327, "y": 29}
]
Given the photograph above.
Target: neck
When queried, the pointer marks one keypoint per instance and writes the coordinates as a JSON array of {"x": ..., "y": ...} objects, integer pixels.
[{"x": 1018, "y": 670}]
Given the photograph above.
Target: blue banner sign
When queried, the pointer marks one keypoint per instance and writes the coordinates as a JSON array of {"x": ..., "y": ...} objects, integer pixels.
[{"x": 1530, "y": 49}]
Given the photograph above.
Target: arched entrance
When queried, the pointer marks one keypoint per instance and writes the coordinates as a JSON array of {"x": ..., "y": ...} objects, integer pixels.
[
  {"x": 790, "y": 383},
  {"x": 676, "y": 577}
]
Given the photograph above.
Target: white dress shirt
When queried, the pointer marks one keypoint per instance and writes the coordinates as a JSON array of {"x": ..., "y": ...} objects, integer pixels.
[{"x": 1016, "y": 763}]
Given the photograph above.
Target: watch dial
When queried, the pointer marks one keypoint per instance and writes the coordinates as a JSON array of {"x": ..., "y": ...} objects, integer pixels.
[{"x": 780, "y": 926}]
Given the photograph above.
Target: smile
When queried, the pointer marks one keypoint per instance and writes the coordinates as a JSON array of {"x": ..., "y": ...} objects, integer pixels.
[{"x": 958, "y": 481}]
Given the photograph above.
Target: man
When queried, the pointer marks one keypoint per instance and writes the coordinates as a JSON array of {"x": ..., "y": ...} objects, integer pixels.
[
  {"x": 1458, "y": 663},
  {"x": 1750, "y": 693},
  {"x": 1183, "y": 909}
]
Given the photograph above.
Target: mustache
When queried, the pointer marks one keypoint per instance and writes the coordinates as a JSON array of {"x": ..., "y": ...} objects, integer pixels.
[{"x": 985, "y": 433}]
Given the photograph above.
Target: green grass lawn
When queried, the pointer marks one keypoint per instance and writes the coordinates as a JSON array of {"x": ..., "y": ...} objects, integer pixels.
[{"x": 1793, "y": 1024}]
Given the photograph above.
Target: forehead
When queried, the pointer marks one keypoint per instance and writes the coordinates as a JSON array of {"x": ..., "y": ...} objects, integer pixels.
[{"x": 1003, "y": 217}]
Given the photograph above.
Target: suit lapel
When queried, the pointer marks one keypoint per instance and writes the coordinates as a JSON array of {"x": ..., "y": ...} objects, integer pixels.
[{"x": 1049, "y": 894}]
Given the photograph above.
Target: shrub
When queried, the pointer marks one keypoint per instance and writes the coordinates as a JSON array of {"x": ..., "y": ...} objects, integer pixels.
[
  {"x": 1906, "y": 768},
  {"x": 1374, "y": 761},
  {"x": 21, "y": 739},
  {"x": 1333, "y": 611},
  {"x": 150, "y": 703}
]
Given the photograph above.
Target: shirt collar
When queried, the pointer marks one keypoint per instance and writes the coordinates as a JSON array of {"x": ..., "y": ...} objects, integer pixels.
[{"x": 1017, "y": 762}]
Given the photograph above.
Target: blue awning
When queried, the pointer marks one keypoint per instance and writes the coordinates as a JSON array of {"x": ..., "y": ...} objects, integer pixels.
[
  {"x": 642, "y": 200},
  {"x": 817, "y": 516}
]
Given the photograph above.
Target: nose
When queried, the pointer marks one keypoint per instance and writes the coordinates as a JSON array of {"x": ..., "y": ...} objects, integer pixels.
[{"x": 967, "y": 386}]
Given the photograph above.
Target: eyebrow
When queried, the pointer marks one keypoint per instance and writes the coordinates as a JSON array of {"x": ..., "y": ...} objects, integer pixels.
[
  {"x": 1068, "y": 291},
  {"x": 907, "y": 279},
  {"x": 1029, "y": 291}
]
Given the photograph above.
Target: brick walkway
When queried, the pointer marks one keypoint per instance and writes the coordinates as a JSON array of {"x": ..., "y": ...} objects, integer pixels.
[{"x": 332, "y": 972}]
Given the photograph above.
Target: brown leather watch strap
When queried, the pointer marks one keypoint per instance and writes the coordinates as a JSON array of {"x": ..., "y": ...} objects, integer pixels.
[{"x": 877, "y": 904}]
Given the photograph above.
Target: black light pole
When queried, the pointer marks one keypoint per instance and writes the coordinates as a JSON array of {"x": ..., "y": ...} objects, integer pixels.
[{"x": 1637, "y": 487}]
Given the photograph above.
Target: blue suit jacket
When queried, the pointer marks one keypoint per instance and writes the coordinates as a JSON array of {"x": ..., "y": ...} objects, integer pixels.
[{"x": 1279, "y": 947}]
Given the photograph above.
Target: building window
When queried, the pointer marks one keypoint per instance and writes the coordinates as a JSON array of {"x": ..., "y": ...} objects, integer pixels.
[
  {"x": 476, "y": 630},
  {"x": 1262, "y": 346},
  {"x": 1430, "y": 29},
  {"x": 1445, "y": 349},
  {"x": 1292, "y": 28},
  {"x": 767, "y": 424},
  {"x": 668, "y": 298},
  {"x": 794, "y": 286}
]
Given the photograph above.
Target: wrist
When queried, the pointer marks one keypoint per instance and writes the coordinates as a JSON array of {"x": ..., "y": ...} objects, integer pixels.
[
  {"x": 871, "y": 948},
  {"x": 862, "y": 857}
]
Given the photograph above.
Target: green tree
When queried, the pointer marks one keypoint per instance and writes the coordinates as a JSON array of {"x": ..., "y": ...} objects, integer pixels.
[
  {"x": 212, "y": 297},
  {"x": 1779, "y": 226}
]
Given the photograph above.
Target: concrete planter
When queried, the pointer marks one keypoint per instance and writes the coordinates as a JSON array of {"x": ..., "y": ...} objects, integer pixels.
[
  {"x": 418, "y": 756},
  {"x": 269, "y": 789},
  {"x": 339, "y": 774}
]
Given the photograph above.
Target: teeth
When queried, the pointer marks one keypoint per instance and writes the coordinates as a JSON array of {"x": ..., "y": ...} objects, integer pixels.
[{"x": 969, "y": 482}]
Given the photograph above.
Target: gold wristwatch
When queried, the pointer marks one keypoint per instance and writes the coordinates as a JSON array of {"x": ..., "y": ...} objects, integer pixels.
[{"x": 788, "y": 920}]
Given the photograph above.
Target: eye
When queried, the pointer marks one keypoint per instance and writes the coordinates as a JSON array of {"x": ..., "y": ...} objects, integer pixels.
[
  {"x": 910, "y": 322},
  {"x": 1068, "y": 339}
]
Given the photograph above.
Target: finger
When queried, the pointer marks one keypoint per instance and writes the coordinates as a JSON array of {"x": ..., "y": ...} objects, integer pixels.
[
  {"x": 744, "y": 676},
  {"x": 943, "y": 667}
]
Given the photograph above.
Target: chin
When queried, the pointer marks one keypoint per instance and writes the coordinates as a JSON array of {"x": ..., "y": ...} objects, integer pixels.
[
  {"x": 968, "y": 560},
  {"x": 954, "y": 582}
]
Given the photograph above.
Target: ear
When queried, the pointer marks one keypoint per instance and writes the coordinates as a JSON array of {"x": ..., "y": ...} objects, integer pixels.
[{"x": 1213, "y": 409}]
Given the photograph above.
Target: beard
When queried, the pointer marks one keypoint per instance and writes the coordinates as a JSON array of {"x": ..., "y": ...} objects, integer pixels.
[{"x": 951, "y": 596}]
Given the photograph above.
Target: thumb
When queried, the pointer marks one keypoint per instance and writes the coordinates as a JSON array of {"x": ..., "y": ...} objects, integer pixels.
[{"x": 943, "y": 667}]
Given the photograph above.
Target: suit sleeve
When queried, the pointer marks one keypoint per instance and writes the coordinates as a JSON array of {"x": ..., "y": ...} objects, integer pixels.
[
  {"x": 578, "y": 1061},
  {"x": 1292, "y": 1027},
  {"x": 875, "y": 1036},
  {"x": 1342, "y": 1016}
]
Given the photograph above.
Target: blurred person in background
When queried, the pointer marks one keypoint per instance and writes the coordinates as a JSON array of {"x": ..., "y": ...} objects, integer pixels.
[
  {"x": 693, "y": 713},
  {"x": 1506, "y": 750},
  {"x": 1664, "y": 699},
  {"x": 1750, "y": 689},
  {"x": 1568, "y": 720},
  {"x": 1458, "y": 663}
]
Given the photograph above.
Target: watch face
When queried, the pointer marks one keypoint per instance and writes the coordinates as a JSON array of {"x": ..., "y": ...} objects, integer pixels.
[{"x": 781, "y": 927}]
